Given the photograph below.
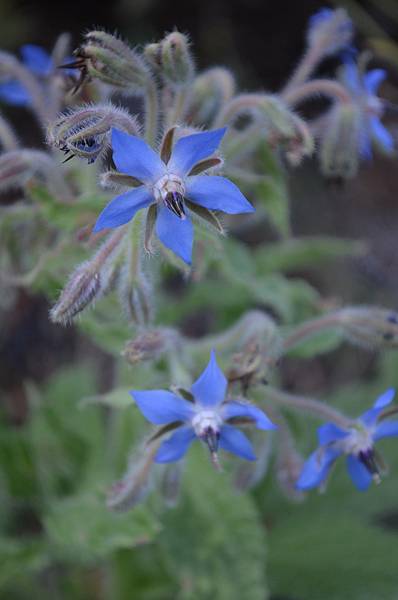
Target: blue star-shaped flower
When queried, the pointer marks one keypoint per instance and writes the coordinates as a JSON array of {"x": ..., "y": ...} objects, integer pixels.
[
  {"x": 330, "y": 30},
  {"x": 39, "y": 62},
  {"x": 356, "y": 442},
  {"x": 168, "y": 185},
  {"x": 205, "y": 418},
  {"x": 36, "y": 60},
  {"x": 364, "y": 90}
]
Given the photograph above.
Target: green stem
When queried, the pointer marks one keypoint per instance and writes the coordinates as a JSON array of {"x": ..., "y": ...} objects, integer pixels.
[
  {"x": 324, "y": 87},
  {"x": 151, "y": 113},
  {"x": 309, "y": 329},
  {"x": 177, "y": 110}
]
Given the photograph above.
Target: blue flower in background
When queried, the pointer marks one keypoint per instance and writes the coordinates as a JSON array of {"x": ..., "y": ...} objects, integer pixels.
[
  {"x": 356, "y": 442},
  {"x": 39, "y": 62},
  {"x": 36, "y": 60},
  {"x": 169, "y": 185},
  {"x": 364, "y": 90},
  {"x": 330, "y": 31},
  {"x": 205, "y": 418}
]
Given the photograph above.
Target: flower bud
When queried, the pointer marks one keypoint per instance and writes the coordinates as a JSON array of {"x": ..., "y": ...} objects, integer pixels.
[
  {"x": 85, "y": 131},
  {"x": 19, "y": 166},
  {"x": 210, "y": 91},
  {"x": 170, "y": 483},
  {"x": 288, "y": 466},
  {"x": 90, "y": 281},
  {"x": 176, "y": 60},
  {"x": 136, "y": 482},
  {"x": 150, "y": 345},
  {"x": 339, "y": 143},
  {"x": 370, "y": 326},
  {"x": 135, "y": 296},
  {"x": 330, "y": 31},
  {"x": 15, "y": 170},
  {"x": 105, "y": 57}
]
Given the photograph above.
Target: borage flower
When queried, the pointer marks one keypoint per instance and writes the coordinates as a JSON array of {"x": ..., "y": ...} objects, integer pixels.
[
  {"x": 364, "y": 89},
  {"x": 208, "y": 417},
  {"x": 40, "y": 63},
  {"x": 170, "y": 182},
  {"x": 356, "y": 442}
]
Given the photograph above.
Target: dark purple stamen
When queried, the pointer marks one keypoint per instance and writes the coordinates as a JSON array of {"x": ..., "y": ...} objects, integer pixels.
[
  {"x": 211, "y": 438},
  {"x": 175, "y": 202},
  {"x": 368, "y": 459}
]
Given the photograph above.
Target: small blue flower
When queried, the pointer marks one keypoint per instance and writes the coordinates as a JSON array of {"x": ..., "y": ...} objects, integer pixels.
[
  {"x": 39, "y": 62},
  {"x": 36, "y": 60},
  {"x": 330, "y": 31},
  {"x": 169, "y": 185},
  {"x": 356, "y": 442},
  {"x": 364, "y": 90},
  {"x": 208, "y": 417}
]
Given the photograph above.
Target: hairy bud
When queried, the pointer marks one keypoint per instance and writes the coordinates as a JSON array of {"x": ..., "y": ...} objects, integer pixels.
[
  {"x": 135, "y": 296},
  {"x": 340, "y": 141},
  {"x": 105, "y": 57},
  {"x": 136, "y": 482},
  {"x": 288, "y": 466},
  {"x": 171, "y": 59},
  {"x": 370, "y": 326},
  {"x": 85, "y": 131},
  {"x": 90, "y": 281},
  {"x": 330, "y": 31},
  {"x": 210, "y": 91},
  {"x": 170, "y": 483},
  {"x": 19, "y": 166},
  {"x": 150, "y": 345}
]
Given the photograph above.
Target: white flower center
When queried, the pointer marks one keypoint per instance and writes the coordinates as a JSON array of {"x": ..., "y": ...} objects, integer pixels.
[
  {"x": 167, "y": 184},
  {"x": 206, "y": 420},
  {"x": 359, "y": 440}
]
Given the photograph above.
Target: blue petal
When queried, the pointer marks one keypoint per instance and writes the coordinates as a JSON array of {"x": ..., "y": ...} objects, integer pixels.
[
  {"x": 237, "y": 409},
  {"x": 359, "y": 474},
  {"x": 364, "y": 142},
  {"x": 370, "y": 416},
  {"x": 321, "y": 16},
  {"x": 175, "y": 233},
  {"x": 191, "y": 149},
  {"x": 133, "y": 156},
  {"x": 122, "y": 209},
  {"x": 373, "y": 79},
  {"x": 381, "y": 135},
  {"x": 210, "y": 388},
  {"x": 217, "y": 193},
  {"x": 14, "y": 93},
  {"x": 329, "y": 432},
  {"x": 36, "y": 59},
  {"x": 385, "y": 429},
  {"x": 233, "y": 440},
  {"x": 316, "y": 468},
  {"x": 161, "y": 407},
  {"x": 351, "y": 76},
  {"x": 176, "y": 446}
]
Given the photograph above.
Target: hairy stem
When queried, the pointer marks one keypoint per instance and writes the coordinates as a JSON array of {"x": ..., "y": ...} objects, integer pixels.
[
  {"x": 324, "y": 87},
  {"x": 307, "y": 405},
  {"x": 309, "y": 329},
  {"x": 151, "y": 112}
]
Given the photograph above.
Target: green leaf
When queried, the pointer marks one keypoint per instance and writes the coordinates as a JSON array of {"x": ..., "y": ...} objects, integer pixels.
[
  {"x": 214, "y": 541},
  {"x": 82, "y": 528},
  {"x": 19, "y": 558},
  {"x": 304, "y": 252}
]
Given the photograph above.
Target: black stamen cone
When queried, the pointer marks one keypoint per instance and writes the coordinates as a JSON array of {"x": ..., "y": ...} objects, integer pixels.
[
  {"x": 368, "y": 459},
  {"x": 211, "y": 438},
  {"x": 175, "y": 202}
]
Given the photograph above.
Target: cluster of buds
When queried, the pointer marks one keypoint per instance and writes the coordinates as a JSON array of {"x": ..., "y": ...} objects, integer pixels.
[{"x": 172, "y": 59}]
